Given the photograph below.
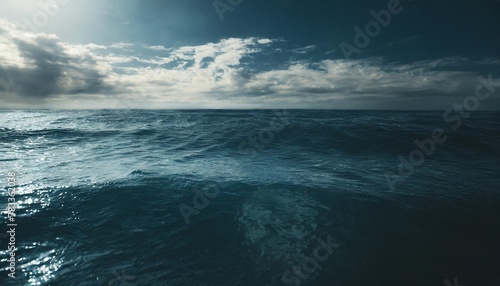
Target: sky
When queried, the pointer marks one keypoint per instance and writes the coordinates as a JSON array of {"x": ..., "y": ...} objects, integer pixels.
[{"x": 190, "y": 54}]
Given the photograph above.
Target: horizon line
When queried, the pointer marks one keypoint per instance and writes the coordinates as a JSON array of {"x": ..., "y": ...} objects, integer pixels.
[{"x": 233, "y": 109}]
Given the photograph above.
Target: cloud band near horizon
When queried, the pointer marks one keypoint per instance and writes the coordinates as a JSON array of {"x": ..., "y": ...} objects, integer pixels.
[{"x": 39, "y": 70}]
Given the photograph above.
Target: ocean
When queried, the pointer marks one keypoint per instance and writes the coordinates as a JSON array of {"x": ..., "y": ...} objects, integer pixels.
[{"x": 249, "y": 197}]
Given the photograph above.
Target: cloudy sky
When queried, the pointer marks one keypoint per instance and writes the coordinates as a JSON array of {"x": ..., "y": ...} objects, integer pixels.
[{"x": 246, "y": 53}]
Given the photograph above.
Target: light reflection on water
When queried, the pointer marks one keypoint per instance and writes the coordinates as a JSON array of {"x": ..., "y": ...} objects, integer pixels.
[{"x": 42, "y": 269}]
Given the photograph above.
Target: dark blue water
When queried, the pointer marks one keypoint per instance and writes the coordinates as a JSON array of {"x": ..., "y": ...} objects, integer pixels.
[{"x": 250, "y": 198}]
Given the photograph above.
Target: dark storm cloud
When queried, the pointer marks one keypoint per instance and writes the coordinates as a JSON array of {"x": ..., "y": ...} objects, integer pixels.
[{"x": 45, "y": 68}]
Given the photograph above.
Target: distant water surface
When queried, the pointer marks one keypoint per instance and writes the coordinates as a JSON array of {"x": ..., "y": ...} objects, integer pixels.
[{"x": 100, "y": 194}]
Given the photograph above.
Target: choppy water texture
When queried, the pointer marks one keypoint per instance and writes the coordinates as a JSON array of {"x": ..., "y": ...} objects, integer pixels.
[{"x": 99, "y": 195}]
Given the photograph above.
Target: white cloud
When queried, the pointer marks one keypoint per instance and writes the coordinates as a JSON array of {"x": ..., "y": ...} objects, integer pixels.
[
  {"x": 158, "y": 48},
  {"x": 305, "y": 50},
  {"x": 121, "y": 45},
  {"x": 264, "y": 41},
  {"x": 217, "y": 75}
]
